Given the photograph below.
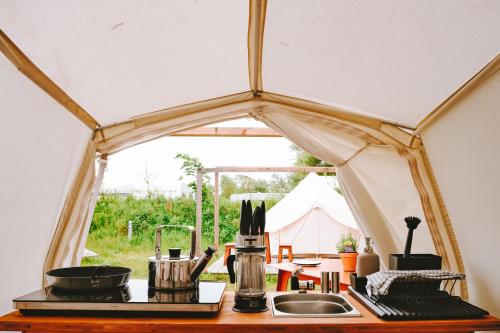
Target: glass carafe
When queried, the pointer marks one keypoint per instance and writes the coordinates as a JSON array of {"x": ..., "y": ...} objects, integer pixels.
[{"x": 250, "y": 274}]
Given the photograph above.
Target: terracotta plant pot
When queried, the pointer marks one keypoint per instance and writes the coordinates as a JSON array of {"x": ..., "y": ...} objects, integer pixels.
[{"x": 349, "y": 261}]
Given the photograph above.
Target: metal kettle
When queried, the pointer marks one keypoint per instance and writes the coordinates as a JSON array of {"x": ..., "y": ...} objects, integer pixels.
[{"x": 176, "y": 271}]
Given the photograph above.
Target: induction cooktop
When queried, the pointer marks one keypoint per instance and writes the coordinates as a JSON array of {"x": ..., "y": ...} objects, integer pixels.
[{"x": 135, "y": 297}]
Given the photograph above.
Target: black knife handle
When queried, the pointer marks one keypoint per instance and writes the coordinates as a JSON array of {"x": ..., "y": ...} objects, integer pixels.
[
  {"x": 262, "y": 226},
  {"x": 230, "y": 268},
  {"x": 242, "y": 217},
  {"x": 255, "y": 221}
]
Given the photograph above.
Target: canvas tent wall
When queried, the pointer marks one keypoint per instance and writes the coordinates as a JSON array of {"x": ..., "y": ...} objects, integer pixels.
[
  {"x": 359, "y": 84},
  {"x": 311, "y": 218}
]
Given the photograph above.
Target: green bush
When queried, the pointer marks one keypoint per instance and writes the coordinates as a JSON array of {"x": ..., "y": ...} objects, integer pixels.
[{"x": 113, "y": 212}]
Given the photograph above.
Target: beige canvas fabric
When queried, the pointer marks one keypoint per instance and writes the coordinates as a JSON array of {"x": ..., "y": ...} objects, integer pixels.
[
  {"x": 345, "y": 145},
  {"x": 384, "y": 181},
  {"x": 394, "y": 60},
  {"x": 154, "y": 125},
  {"x": 83, "y": 233},
  {"x": 141, "y": 56},
  {"x": 463, "y": 150},
  {"x": 74, "y": 214},
  {"x": 354, "y": 83},
  {"x": 37, "y": 167}
]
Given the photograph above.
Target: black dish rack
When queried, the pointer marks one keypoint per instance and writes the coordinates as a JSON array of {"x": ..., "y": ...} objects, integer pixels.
[{"x": 416, "y": 298}]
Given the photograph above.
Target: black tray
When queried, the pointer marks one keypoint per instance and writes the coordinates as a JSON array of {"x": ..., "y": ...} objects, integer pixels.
[
  {"x": 439, "y": 308},
  {"x": 414, "y": 262},
  {"x": 358, "y": 283}
]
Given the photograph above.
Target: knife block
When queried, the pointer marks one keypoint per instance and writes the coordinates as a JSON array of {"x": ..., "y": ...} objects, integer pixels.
[{"x": 414, "y": 262}]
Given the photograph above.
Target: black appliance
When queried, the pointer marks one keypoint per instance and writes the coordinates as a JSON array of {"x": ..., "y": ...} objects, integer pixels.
[
  {"x": 136, "y": 298},
  {"x": 424, "y": 299}
]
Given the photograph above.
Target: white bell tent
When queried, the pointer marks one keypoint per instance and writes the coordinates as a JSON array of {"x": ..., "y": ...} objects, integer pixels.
[
  {"x": 311, "y": 218},
  {"x": 401, "y": 96}
]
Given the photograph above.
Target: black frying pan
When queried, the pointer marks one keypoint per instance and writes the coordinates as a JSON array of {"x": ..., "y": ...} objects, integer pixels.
[{"x": 89, "y": 277}]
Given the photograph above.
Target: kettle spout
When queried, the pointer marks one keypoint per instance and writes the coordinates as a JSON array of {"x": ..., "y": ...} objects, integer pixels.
[{"x": 201, "y": 263}]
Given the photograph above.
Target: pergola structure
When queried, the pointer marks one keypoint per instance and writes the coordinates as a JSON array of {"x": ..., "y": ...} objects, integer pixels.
[{"x": 216, "y": 171}]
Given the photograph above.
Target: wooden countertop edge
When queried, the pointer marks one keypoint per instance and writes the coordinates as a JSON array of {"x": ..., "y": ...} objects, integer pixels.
[
  {"x": 154, "y": 326},
  {"x": 17, "y": 322},
  {"x": 230, "y": 321}
]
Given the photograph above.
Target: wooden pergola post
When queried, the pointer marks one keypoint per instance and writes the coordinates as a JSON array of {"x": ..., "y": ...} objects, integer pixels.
[
  {"x": 216, "y": 211},
  {"x": 216, "y": 171},
  {"x": 199, "y": 212}
]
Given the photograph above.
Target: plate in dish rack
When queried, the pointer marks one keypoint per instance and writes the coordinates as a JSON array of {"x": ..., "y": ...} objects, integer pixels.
[{"x": 304, "y": 262}]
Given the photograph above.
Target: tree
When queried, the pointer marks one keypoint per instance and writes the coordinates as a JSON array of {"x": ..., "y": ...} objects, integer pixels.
[
  {"x": 228, "y": 186},
  {"x": 247, "y": 184},
  {"x": 279, "y": 184},
  {"x": 149, "y": 177},
  {"x": 303, "y": 158},
  {"x": 190, "y": 166}
]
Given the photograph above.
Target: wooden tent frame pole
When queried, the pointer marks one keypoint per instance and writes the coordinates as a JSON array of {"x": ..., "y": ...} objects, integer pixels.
[
  {"x": 216, "y": 211},
  {"x": 216, "y": 171},
  {"x": 199, "y": 197}
]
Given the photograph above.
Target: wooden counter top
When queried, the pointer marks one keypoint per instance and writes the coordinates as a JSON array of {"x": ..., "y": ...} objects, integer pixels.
[{"x": 229, "y": 321}]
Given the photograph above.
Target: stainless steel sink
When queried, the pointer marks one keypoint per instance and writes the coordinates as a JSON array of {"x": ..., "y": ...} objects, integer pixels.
[{"x": 312, "y": 305}]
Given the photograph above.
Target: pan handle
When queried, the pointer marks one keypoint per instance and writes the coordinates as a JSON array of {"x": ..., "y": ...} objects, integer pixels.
[{"x": 158, "y": 239}]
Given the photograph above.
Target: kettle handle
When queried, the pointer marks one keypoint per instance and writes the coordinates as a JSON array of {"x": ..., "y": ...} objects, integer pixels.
[
  {"x": 158, "y": 239},
  {"x": 230, "y": 268}
]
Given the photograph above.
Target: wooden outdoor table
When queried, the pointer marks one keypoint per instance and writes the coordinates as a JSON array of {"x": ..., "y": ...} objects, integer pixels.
[
  {"x": 228, "y": 321},
  {"x": 311, "y": 273}
]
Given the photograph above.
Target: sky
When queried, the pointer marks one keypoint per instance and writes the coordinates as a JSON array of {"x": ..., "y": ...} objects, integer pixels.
[{"x": 126, "y": 170}]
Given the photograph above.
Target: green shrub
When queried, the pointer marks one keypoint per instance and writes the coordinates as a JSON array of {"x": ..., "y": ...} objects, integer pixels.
[{"x": 113, "y": 212}]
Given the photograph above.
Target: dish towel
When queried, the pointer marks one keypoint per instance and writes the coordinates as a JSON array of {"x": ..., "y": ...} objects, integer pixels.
[{"x": 379, "y": 283}]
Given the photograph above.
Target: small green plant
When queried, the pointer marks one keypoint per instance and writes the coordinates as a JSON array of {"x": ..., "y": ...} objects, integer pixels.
[{"x": 347, "y": 243}]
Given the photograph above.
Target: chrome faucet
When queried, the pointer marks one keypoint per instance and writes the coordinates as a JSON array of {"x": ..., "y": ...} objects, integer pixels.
[{"x": 302, "y": 286}]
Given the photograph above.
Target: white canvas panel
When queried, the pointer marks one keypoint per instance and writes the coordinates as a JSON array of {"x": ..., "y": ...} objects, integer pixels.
[
  {"x": 314, "y": 233},
  {"x": 386, "y": 177},
  {"x": 392, "y": 59},
  {"x": 312, "y": 192},
  {"x": 311, "y": 218},
  {"x": 122, "y": 58},
  {"x": 463, "y": 149},
  {"x": 376, "y": 181},
  {"x": 42, "y": 145},
  {"x": 315, "y": 133}
]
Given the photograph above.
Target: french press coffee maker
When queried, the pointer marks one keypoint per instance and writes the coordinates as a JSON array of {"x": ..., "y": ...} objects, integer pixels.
[{"x": 248, "y": 266}]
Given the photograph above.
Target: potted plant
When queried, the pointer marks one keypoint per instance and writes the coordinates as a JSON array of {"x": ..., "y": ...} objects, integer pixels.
[{"x": 347, "y": 247}]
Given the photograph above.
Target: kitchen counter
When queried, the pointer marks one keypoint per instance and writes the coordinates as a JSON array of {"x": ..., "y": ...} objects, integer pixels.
[{"x": 229, "y": 321}]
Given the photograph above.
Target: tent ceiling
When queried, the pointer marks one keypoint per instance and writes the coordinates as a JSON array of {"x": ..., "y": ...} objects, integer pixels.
[
  {"x": 124, "y": 58},
  {"x": 395, "y": 60}
]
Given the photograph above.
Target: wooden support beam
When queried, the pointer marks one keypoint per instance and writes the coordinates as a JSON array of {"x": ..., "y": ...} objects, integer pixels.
[
  {"x": 271, "y": 169},
  {"x": 256, "y": 21},
  {"x": 199, "y": 212},
  {"x": 216, "y": 211},
  {"x": 230, "y": 132}
]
